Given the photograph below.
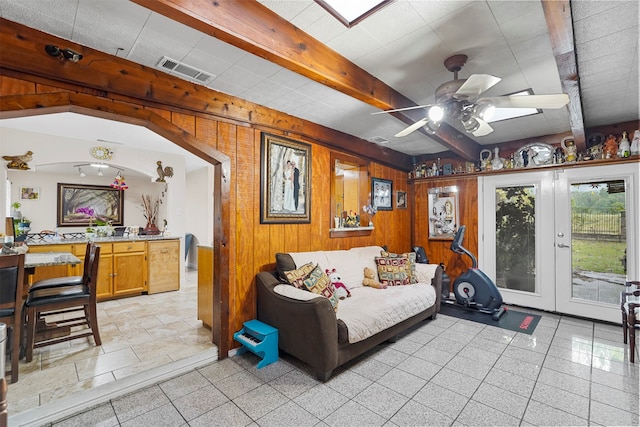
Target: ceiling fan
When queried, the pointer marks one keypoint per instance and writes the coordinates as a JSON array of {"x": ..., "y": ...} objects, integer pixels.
[{"x": 459, "y": 99}]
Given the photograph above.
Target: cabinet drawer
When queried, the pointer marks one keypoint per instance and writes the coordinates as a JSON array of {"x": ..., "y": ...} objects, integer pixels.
[
  {"x": 50, "y": 248},
  {"x": 123, "y": 247},
  {"x": 105, "y": 248},
  {"x": 79, "y": 249}
]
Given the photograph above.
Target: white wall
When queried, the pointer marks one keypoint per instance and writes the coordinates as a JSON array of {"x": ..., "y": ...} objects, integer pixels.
[{"x": 199, "y": 212}]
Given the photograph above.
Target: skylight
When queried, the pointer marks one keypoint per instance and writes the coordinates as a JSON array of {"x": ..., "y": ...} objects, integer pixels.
[
  {"x": 512, "y": 113},
  {"x": 350, "y": 12}
]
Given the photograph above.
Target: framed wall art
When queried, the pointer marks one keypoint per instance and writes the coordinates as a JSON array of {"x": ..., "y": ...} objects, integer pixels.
[
  {"x": 382, "y": 193},
  {"x": 285, "y": 181},
  {"x": 443, "y": 212},
  {"x": 82, "y": 205},
  {"x": 401, "y": 199},
  {"x": 29, "y": 193}
]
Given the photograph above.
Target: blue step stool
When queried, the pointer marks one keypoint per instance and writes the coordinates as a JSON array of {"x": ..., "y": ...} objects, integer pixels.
[{"x": 260, "y": 339}]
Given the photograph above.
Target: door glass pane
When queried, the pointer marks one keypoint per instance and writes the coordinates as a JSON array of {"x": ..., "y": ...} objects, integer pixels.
[
  {"x": 598, "y": 240},
  {"x": 515, "y": 238}
]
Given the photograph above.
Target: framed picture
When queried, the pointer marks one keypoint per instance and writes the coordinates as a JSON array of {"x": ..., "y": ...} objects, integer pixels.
[
  {"x": 443, "y": 213},
  {"x": 401, "y": 199},
  {"x": 382, "y": 191},
  {"x": 29, "y": 193},
  {"x": 81, "y": 205},
  {"x": 285, "y": 181}
]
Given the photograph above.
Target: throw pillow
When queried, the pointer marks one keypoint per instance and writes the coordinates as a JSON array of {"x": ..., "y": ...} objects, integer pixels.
[
  {"x": 411, "y": 263},
  {"x": 319, "y": 283},
  {"x": 392, "y": 271},
  {"x": 295, "y": 277}
]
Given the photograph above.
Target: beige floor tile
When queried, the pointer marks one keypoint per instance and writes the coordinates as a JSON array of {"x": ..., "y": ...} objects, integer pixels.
[
  {"x": 52, "y": 395},
  {"x": 103, "y": 363}
]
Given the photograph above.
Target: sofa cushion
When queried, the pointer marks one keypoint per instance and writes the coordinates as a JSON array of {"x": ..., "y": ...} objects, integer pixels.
[
  {"x": 284, "y": 262},
  {"x": 297, "y": 276},
  {"x": 392, "y": 271},
  {"x": 410, "y": 266},
  {"x": 319, "y": 283},
  {"x": 371, "y": 310}
]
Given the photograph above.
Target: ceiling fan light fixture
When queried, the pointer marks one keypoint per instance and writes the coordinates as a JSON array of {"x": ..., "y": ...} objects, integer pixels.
[
  {"x": 471, "y": 124},
  {"x": 432, "y": 127},
  {"x": 436, "y": 113},
  {"x": 484, "y": 110}
]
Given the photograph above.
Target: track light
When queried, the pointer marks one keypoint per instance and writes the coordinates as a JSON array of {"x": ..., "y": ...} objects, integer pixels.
[
  {"x": 99, "y": 165},
  {"x": 81, "y": 173},
  {"x": 99, "y": 172}
]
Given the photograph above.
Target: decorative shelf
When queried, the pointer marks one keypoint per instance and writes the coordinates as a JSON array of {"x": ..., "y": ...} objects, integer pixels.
[{"x": 351, "y": 231}]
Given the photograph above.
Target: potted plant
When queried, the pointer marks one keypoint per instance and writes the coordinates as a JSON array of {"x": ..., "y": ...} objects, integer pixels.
[{"x": 15, "y": 213}]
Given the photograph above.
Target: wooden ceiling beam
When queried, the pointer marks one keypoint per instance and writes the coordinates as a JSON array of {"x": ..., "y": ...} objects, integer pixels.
[
  {"x": 557, "y": 13},
  {"x": 254, "y": 28}
]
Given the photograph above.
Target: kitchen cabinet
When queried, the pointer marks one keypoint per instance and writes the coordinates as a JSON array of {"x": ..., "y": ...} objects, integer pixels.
[
  {"x": 205, "y": 285},
  {"x": 49, "y": 272},
  {"x": 129, "y": 268},
  {"x": 163, "y": 265}
]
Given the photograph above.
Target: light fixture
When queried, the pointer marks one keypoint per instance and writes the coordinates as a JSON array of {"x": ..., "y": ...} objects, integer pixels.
[
  {"x": 436, "y": 113},
  {"x": 432, "y": 127},
  {"x": 484, "y": 111},
  {"x": 81, "y": 173},
  {"x": 99, "y": 171},
  {"x": 99, "y": 165},
  {"x": 471, "y": 124}
]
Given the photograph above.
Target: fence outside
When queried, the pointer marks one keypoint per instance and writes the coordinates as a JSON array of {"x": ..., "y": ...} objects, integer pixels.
[{"x": 599, "y": 225}]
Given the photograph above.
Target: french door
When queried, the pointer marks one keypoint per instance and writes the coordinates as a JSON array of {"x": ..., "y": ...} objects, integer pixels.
[{"x": 562, "y": 240}]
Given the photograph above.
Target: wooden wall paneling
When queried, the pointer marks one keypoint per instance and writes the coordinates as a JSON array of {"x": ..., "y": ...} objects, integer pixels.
[
  {"x": 263, "y": 257},
  {"x": 245, "y": 183},
  {"x": 320, "y": 198},
  {"x": 227, "y": 144},
  {"x": 11, "y": 86}
]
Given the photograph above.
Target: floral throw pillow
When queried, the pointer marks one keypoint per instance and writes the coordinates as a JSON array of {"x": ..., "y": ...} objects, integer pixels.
[
  {"x": 410, "y": 266},
  {"x": 296, "y": 277},
  {"x": 392, "y": 271},
  {"x": 319, "y": 283}
]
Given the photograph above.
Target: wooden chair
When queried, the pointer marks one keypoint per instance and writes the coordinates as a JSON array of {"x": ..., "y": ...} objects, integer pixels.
[
  {"x": 630, "y": 307},
  {"x": 11, "y": 282},
  {"x": 59, "y": 296}
]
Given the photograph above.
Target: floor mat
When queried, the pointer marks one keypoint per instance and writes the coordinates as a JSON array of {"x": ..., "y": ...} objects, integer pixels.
[{"x": 512, "y": 320}]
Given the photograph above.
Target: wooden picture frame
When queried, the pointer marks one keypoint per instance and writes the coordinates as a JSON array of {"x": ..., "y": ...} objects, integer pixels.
[
  {"x": 29, "y": 193},
  {"x": 82, "y": 205},
  {"x": 401, "y": 199},
  {"x": 443, "y": 213},
  {"x": 382, "y": 194},
  {"x": 285, "y": 181}
]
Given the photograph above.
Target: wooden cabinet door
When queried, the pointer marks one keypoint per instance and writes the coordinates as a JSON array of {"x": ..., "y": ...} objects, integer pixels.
[
  {"x": 163, "y": 266},
  {"x": 105, "y": 272},
  {"x": 129, "y": 268}
]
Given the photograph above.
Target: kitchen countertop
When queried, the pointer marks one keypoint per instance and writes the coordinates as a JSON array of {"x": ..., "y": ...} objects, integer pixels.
[{"x": 139, "y": 238}]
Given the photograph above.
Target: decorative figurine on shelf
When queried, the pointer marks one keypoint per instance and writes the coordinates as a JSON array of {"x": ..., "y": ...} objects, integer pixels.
[
  {"x": 19, "y": 162},
  {"x": 485, "y": 160},
  {"x": 570, "y": 149},
  {"x": 635, "y": 144},
  {"x": 162, "y": 173},
  {"x": 370, "y": 210},
  {"x": 610, "y": 149},
  {"x": 624, "y": 148},
  {"x": 497, "y": 163}
]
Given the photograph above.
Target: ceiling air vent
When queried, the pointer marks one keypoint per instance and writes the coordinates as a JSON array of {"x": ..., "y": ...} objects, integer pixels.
[
  {"x": 378, "y": 140},
  {"x": 185, "y": 71}
]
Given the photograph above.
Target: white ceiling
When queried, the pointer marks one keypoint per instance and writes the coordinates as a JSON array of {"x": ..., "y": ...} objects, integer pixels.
[{"x": 403, "y": 45}]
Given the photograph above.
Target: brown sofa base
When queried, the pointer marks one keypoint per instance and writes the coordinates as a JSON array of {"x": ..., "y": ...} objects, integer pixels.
[{"x": 308, "y": 330}]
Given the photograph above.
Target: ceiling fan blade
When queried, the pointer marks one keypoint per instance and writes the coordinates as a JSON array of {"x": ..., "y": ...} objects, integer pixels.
[
  {"x": 475, "y": 85},
  {"x": 412, "y": 128},
  {"x": 529, "y": 101},
  {"x": 484, "y": 129},
  {"x": 401, "y": 109}
]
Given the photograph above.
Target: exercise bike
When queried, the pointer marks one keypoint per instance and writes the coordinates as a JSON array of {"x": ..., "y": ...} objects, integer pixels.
[{"x": 474, "y": 289}]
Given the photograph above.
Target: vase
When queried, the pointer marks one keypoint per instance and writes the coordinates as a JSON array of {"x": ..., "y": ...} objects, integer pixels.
[
  {"x": 151, "y": 230},
  {"x": 370, "y": 223}
]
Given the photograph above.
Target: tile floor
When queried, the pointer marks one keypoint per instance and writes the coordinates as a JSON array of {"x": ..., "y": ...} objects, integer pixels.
[
  {"x": 440, "y": 373},
  {"x": 138, "y": 333}
]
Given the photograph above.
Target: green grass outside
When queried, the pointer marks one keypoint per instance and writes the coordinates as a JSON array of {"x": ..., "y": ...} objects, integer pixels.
[{"x": 598, "y": 256}]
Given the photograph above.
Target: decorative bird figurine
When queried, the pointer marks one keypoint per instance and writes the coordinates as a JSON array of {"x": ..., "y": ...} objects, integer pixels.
[
  {"x": 19, "y": 162},
  {"x": 162, "y": 173}
]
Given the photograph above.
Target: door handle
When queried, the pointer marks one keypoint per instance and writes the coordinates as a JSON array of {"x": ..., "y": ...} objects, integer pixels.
[{"x": 562, "y": 245}]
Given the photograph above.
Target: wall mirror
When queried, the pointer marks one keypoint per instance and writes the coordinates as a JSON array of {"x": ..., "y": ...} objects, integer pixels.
[{"x": 349, "y": 191}]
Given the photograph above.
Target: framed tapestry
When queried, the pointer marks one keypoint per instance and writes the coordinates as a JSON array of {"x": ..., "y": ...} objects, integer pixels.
[{"x": 381, "y": 194}]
